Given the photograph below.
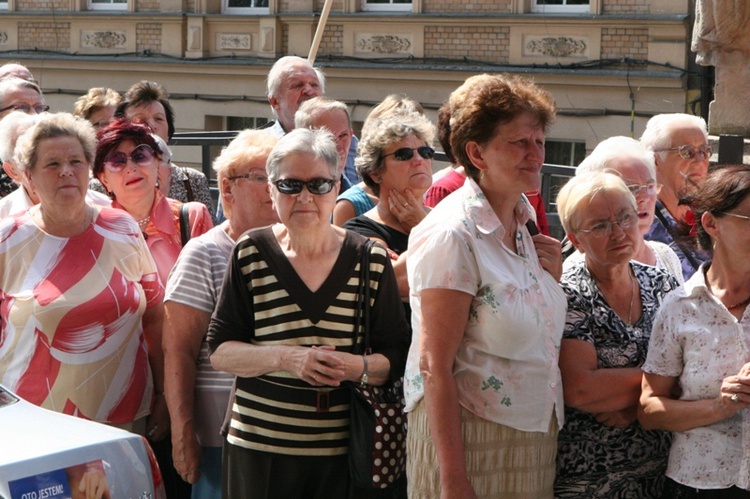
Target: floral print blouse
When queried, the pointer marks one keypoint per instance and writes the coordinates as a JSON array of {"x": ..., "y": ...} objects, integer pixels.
[
  {"x": 506, "y": 366},
  {"x": 698, "y": 341}
]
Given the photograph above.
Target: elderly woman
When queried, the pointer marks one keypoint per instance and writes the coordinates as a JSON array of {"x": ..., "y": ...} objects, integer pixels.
[
  {"x": 482, "y": 383},
  {"x": 360, "y": 198},
  {"x": 97, "y": 106},
  {"x": 602, "y": 451},
  {"x": 679, "y": 143},
  {"x": 284, "y": 324},
  {"x": 633, "y": 163},
  {"x": 81, "y": 298},
  {"x": 196, "y": 394},
  {"x": 148, "y": 102},
  {"x": 20, "y": 200},
  {"x": 395, "y": 161},
  {"x": 696, "y": 380},
  {"x": 126, "y": 164}
]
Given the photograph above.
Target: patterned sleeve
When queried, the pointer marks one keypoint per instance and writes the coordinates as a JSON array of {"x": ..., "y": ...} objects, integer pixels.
[
  {"x": 665, "y": 348},
  {"x": 442, "y": 258},
  {"x": 201, "y": 191},
  {"x": 233, "y": 318},
  {"x": 191, "y": 281},
  {"x": 578, "y": 319}
]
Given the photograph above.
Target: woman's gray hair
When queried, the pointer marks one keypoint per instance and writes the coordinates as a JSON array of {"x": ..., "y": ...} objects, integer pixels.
[
  {"x": 382, "y": 133},
  {"x": 581, "y": 189},
  {"x": 610, "y": 150},
  {"x": 13, "y": 126},
  {"x": 659, "y": 129},
  {"x": 316, "y": 106},
  {"x": 319, "y": 142},
  {"x": 51, "y": 126}
]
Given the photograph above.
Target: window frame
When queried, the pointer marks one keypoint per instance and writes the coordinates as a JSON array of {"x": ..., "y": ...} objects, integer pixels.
[
  {"x": 111, "y": 6},
  {"x": 387, "y": 7},
  {"x": 226, "y": 9},
  {"x": 560, "y": 9}
]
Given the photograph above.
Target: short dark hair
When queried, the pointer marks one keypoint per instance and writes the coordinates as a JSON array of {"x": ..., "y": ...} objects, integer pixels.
[
  {"x": 145, "y": 92},
  {"x": 724, "y": 189}
]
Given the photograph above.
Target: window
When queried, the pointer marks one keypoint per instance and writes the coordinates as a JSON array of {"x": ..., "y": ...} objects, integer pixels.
[
  {"x": 560, "y": 6},
  {"x": 245, "y": 6},
  {"x": 564, "y": 152},
  {"x": 381, "y": 5},
  {"x": 241, "y": 123},
  {"x": 558, "y": 152},
  {"x": 108, "y": 4},
  {"x": 3, "y": 4}
]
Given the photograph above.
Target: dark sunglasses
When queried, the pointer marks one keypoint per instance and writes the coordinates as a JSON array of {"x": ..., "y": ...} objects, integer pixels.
[
  {"x": 406, "y": 153},
  {"x": 314, "y": 186},
  {"x": 141, "y": 156}
]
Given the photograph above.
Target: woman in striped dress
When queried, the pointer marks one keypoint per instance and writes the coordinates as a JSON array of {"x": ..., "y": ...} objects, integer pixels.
[{"x": 284, "y": 324}]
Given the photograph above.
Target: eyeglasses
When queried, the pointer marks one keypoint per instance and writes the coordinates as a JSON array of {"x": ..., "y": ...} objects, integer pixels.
[
  {"x": 735, "y": 215},
  {"x": 25, "y": 108},
  {"x": 604, "y": 229},
  {"x": 689, "y": 152},
  {"x": 406, "y": 153},
  {"x": 253, "y": 177},
  {"x": 118, "y": 160},
  {"x": 651, "y": 188},
  {"x": 317, "y": 186}
]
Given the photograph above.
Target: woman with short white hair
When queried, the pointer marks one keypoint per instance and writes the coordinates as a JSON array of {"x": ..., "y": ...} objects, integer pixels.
[{"x": 632, "y": 162}]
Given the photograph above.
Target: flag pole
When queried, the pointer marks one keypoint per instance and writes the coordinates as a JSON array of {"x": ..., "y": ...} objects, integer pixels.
[{"x": 319, "y": 32}]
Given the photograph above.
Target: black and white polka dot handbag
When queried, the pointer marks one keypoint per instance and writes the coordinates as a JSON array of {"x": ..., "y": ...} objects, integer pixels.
[{"x": 377, "y": 434}]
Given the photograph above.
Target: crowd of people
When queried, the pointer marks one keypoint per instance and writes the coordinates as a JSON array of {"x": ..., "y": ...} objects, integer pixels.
[{"x": 615, "y": 364}]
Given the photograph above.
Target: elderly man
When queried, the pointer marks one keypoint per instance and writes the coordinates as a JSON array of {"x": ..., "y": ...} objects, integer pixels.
[
  {"x": 17, "y": 94},
  {"x": 323, "y": 112},
  {"x": 679, "y": 143}
]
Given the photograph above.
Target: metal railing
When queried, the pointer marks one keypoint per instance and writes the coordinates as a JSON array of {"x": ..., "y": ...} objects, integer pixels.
[{"x": 553, "y": 176}]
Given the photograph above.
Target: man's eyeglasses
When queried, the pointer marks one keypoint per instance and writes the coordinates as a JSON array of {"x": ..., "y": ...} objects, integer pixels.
[
  {"x": 651, "y": 188},
  {"x": 317, "y": 186},
  {"x": 604, "y": 229},
  {"x": 406, "y": 153},
  {"x": 735, "y": 215},
  {"x": 25, "y": 108},
  {"x": 689, "y": 152},
  {"x": 141, "y": 156},
  {"x": 253, "y": 177}
]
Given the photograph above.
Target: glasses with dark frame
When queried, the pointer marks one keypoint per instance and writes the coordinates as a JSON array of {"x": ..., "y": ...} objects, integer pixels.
[
  {"x": 406, "y": 153},
  {"x": 317, "y": 186},
  {"x": 141, "y": 156},
  {"x": 605, "y": 227},
  {"x": 253, "y": 177}
]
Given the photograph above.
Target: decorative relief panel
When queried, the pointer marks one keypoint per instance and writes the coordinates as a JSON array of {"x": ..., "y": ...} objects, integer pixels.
[
  {"x": 103, "y": 39},
  {"x": 3, "y": 37},
  {"x": 231, "y": 41},
  {"x": 384, "y": 44},
  {"x": 555, "y": 46}
]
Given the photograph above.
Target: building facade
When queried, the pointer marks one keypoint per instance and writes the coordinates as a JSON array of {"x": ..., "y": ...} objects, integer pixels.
[{"x": 610, "y": 64}]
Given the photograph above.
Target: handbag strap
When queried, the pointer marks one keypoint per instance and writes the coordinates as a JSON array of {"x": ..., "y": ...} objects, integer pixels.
[
  {"x": 363, "y": 300},
  {"x": 184, "y": 224}
]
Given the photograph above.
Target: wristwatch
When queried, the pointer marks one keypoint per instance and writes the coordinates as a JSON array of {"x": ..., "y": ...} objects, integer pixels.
[{"x": 365, "y": 373}]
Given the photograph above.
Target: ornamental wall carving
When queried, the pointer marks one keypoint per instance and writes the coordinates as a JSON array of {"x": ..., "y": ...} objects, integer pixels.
[
  {"x": 231, "y": 41},
  {"x": 3, "y": 37},
  {"x": 103, "y": 39},
  {"x": 555, "y": 46},
  {"x": 384, "y": 44}
]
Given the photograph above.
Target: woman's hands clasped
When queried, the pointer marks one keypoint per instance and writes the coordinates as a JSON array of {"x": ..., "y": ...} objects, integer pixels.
[
  {"x": 735, "y": 392},
  {"x": 324, "y": 366}
]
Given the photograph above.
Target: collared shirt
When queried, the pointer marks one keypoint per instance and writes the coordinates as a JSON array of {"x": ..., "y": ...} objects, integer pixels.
[
  {"x": 690, "y": 257},
  {"x": 698, "y": 341},
  {"x": 506, "y": 368}
]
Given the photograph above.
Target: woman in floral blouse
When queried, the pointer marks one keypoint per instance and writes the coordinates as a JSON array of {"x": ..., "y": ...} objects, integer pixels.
[
  {"x": 482, "y": 382},
  {"x": 696, "y": 380},
  {"x": 602, "y": 450}
]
